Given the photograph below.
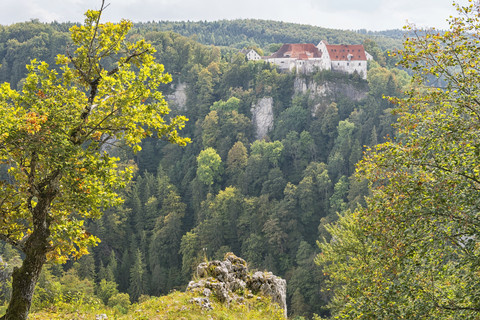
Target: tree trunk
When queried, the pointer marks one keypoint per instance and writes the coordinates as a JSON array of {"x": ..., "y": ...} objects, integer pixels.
[
  {"x": 35, "y": 248},
  {"x": 23, "y": 285}
]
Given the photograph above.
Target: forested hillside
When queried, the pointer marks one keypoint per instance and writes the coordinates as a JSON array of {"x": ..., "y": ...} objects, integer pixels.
[
  {"x": 266, "y": 197},
  {"x": 264, "y": 33}
]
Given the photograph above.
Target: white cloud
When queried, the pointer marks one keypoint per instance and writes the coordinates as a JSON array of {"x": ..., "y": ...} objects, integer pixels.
[
  {"x": 346, "y": 5},
  {"x": 340, "y": 14}
]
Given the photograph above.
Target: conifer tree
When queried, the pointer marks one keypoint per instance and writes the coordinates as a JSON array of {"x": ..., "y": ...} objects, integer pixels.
[
  {"x": 138, "y": 284},
  {"x": 112, "y": 268}
]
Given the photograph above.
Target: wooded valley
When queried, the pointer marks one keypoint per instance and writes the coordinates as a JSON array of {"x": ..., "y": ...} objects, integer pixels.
[{"x": 269, "y": 199}]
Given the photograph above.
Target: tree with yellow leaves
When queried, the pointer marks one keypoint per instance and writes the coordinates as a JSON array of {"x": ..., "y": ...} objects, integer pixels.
[{"x": 55, "y": 134}]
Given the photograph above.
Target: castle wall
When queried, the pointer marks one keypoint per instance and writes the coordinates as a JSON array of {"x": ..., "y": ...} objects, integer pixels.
[
  {"x": 325, "y": 62},
  {"x": 283, "y": 63},
  {"x": 350, "y": 67},
  {"x": 311, "y": 65}
]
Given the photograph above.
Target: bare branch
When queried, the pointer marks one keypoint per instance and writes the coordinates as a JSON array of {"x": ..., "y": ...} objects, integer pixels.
[
  {"x": 133, "y": 55},
  {"x": 458, "y": 308}
]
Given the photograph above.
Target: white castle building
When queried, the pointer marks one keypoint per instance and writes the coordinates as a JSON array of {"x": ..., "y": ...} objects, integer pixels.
[
  {"x": 346, "y": 58},
  {"x": 306, "y": 58}
]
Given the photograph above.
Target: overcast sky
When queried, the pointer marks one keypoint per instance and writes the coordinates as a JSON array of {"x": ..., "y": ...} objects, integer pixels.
[{"x": 338, "y": 14}]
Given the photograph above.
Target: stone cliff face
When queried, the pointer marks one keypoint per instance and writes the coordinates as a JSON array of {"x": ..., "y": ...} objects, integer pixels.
[
  {"x": 262, "y": 111},
  {"x": 328, "y": 88},
  {"x": 262, "y": 116},
  {"x": 322, "y": 93},
  {"x": 230, "y": 280},
  {"x": 178, "y": 98},
  {"x": 327, "y": 91}
]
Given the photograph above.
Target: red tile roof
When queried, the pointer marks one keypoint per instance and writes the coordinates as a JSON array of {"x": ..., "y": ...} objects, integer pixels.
[
  {"x": 302, "y": 51},
  {"x": 341, "y": 52}
]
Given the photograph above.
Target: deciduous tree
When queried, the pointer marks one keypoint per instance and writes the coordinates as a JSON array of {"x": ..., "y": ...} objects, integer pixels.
[
  {"x": 55, "y": 134},
  {"x": 210, "y": 167},
  {"x": 413, "y": 251}
]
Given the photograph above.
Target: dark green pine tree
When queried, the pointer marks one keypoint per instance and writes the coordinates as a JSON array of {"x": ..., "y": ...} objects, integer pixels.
[
  {"x": 85, "y": 267},
  {"x": 373, "y": 137},
  {"x": 164, "y": 255},
  {"x": 138, "y": 275},
  {"x": 102, "y": 272},
  {"x": 124, "y": 271},
  {"x": 112, "y": 268}
]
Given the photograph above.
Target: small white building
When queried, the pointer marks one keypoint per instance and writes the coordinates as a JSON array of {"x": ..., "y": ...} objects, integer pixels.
[{"x": 251, "y": 54}]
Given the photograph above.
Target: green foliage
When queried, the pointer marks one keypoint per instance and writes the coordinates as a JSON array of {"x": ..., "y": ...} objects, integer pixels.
[
  {"x": 85, "y": 267},
  {"x": 165, "y": 245},
  {"x": 60, "y": 145},
  {"x": 218, "y": 225},
  {"x": 210, "y": 166},
  {"x": 210, "y": 132},
  {"x": 176, "y": 305},
  {"x": 237, "y": 159},
  {"x": 105, "y": 290},
  {"x": 386, "y": 82},
  {"x": 190, "y": 250},
  {"x": 221, "y": 128},
  {"x": 119, "y": 302},
  {"x": 268, "y": 34},
  {"x": 54, "y": 132},
  {"x": 231, "y": 104},
  {"x": 338, "y": 199},
  {"x": 412, "y": 252},
  {"x": 68, "y": 288},
  {"x": 271, "y": 151},
  {"x": 21, "y": 42},
  {"x": 138, "y": 282},
  {"x": 294, "y": 118},
  {"x": 271, "y": 200}
]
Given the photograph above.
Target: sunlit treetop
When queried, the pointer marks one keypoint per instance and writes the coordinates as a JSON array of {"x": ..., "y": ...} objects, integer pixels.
[{"x": 56, "y": 133}]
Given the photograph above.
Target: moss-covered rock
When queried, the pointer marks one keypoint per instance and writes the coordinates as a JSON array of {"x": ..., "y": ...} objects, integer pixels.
[{"x": 230, "y": 280}]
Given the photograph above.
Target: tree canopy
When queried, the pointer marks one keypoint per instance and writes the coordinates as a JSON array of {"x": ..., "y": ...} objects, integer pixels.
[
  {"x": 57, "y": 139},
  {"x": 268, "y": 201},
  {"x": 412, "y": 252}
]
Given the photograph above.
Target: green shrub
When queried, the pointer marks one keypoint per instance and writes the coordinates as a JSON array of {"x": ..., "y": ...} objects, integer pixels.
[
  {"x": 120, "y": 302},
  {"x": 106, "y": 289}
]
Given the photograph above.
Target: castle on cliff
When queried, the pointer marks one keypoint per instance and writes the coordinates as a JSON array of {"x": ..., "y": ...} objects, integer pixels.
[{"x": 306, "y": 57}]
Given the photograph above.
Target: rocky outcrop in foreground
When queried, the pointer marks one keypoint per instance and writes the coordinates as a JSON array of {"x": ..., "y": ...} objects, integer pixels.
[{"x": 230, "y": 280}]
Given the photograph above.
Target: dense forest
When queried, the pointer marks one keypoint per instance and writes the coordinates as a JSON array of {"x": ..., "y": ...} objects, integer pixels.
[
  {"x": 267, "y": 198},
  {"x": 267, "y": 34}
]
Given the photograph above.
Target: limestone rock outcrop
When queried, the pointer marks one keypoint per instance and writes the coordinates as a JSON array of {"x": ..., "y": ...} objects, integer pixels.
[
  {"x": 178, "y": 99},
  {"x": 262, "y": 117},
  {"x": 230, "y": 280},
  {"x": 326, "y": 92}
]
